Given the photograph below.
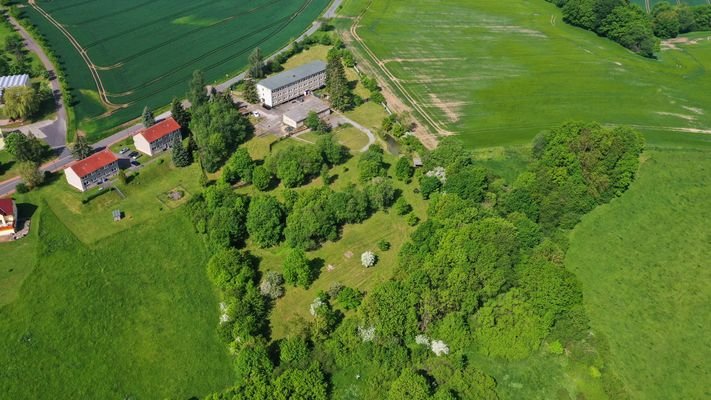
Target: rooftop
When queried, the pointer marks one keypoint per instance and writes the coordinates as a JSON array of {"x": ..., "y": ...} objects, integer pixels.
[
  {"x": 299, "y": 111},
  {"x": 162, "y": 128},
  {"x": 6, "y": 206},
  {"x": 284, "y": 78},
  {"x": 13, "y": 80},
  {"x": 92, "y": 163}
]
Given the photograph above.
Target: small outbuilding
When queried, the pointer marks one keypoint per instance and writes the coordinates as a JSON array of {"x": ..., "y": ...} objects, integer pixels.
[
  {"x": 296, "y": 114},
  {"x": 11, "y": 81},
  {"x": 8, "y": 217},
  {"x": 117, "y": 215}
]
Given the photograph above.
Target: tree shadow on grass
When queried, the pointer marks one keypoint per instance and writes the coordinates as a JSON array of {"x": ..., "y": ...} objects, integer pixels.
[{"x": 316, "y": 265}]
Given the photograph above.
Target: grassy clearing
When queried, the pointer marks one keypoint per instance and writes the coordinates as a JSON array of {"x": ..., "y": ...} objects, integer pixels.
[
  {"x": 93, "y": 221},
  {"x": 130, "y": 43},
  {"x": 23, "y": 256},
  {"x": 132, "y": 316},
  {"x": 368, "y": 114},
  {"x": 500, "y": 72},
  {"x": 643, "y": 262},
  {"x": 351, "y": 137}
]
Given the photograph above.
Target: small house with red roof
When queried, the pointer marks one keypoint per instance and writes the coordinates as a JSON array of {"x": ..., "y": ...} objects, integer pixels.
[
  {"x": 8, "y": 217},
  {"x": 157, "y": 138},
  {"x": 93, "y": 170}
]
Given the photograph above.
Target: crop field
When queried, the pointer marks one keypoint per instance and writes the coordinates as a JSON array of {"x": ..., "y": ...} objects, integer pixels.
[
  {"x": 497, "y": 73},
  {"x": 643, "y": 261},
  {"x": 121, "y": 56},
  {"x": 649, "y": 4}
]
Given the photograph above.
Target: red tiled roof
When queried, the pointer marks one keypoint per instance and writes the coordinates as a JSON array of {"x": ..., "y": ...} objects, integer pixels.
[
  {"x": 163, "y": 128},
  {"x": 93, "y": 162},
  {"x": 6, "y": 206}
]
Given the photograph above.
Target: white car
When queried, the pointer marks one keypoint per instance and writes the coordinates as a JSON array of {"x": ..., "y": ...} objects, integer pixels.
[{"x": 255, "y": 113}]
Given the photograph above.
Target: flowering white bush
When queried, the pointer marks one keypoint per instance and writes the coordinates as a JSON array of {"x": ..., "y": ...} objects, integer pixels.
[
  {"x": 318, "y": 303},
  {"x": 366, "y": 334},
  {"x": 439, "y": 173},
  {"x": 368, "y": 259},
  {"x": 272, "y": 286},
  {"x": 423, "y": 340},
  {"x": 439, "y": 347},
  {"x": 223, "y": 313}
]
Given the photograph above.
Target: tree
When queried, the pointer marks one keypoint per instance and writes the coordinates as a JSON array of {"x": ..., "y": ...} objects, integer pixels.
[
  {"x": 181, "y": 155},
  {"x": 31, "y": 173},
  {"x": 15, "y": 46},
  {"x": 404, "y": 169},
  {"x": 297, "y": 270},
  {"x": 25, "y": 147},
  {"x": 81, "y": 148},
  {"x": 331, "y": 151},
  {"x": 147, "y": 117},
  {"x": 196, "y": 90},
  {"x": 368, "y": 259},
  {"x": 272, "y": 285},
  {"x": 294, "y": 351},
  {"x": 256, "y": 64},
  {"x": 409, "y": 386},
  {"x": 325, "y": 178},
  {"x": 261, "y": 178},
  {"x": 429, "y": 185},
  {"x": 21, "y": 102},
  {"x": 371, "y": 164},
  {"x": 239, "y": 167},
  {"x": 469, "y": 183},
  {"x": 123, "y": 179},
  {"x": 230, "y": 269},
  {"x": 349, "y": 298},
  {"x": 218, "y": 128},
  {"x": 179, "y": 113},
  {"x": 337, "y": 85},
  {"x": 250, "y": 91},
  {"x": 665, "y": 21},
  {"x": 381, "y": 193},
  {"x": 312, "y": 121},
  {"x": 265, "y": 221}
]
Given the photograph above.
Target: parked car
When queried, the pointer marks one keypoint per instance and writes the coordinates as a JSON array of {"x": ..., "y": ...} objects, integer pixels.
[
  {"x": 125, "y": 149},
  {"x": 133, "y": 154},
  {"x": 255, "y": 113},
  {"x": 135, "y": 163}
]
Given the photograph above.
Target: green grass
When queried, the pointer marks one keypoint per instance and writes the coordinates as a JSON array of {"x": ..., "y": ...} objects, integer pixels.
[
  {"x": 93, "y": 221},
  {"x": 351, "y": 137},
  {"x": 8, "y": 166},
  {"x": 369, "y": 114},
  {"x": 643, "y": 261},
  {"x": 147, "y": 51},
  {"x": 23, "y": 254},
  {"x": 132, "y": 316},
  {"x": 500, "y": 72}
]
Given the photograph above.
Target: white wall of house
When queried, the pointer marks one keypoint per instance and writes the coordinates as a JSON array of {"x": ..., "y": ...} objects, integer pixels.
[
  {"x": 142, "y": 145},
  {"x": 265, "y": 95},
  {"x": 73, "y": 179}
]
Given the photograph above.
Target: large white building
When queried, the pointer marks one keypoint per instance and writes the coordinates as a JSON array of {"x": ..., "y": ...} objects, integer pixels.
[{"x": 291, "y": 84}]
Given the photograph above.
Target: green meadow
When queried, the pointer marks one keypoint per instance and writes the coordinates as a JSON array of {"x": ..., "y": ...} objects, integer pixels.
[
  {"x": 644, "y": 263},
  {"x": 92, "y": 309},
  {"x": 146, "y": 51},
  {"x": 497, "y": 73}
]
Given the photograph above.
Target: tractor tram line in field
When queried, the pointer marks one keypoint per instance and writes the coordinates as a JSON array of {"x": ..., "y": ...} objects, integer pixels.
[
  {"x": 140, "y": 53},
  {"x": 281, "y": 24}
]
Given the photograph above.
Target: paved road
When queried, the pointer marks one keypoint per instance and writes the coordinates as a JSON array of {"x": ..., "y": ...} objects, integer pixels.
[
  {"x": 56, "y": 133},
  {"x": 64, "y": 159}
]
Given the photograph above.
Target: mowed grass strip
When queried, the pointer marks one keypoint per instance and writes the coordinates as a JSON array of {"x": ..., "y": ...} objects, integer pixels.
[
  {"x": 497, "y": 73},
  {"x": 132, "y": 316},
  {"x": 643, "y": 262}
]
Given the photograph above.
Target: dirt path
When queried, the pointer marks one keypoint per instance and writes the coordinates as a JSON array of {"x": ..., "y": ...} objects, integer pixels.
[{"x": 427, "y": 139}]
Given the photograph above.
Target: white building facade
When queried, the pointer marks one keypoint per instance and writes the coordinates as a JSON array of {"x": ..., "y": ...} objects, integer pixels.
[
  {"x": 93, "y": 170},
  {"x": 158, "y": 138},
  {"x": 291, "y": 84}
]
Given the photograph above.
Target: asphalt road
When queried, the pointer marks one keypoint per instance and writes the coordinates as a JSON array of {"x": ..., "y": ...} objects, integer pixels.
[
  {"x": 56, "y": 133},
  {"x": 64, "y": 158}
]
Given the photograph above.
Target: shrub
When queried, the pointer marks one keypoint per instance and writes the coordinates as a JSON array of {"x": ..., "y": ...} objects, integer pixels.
[
  {"x": 368, "y": 259},
  {"x": 384, "y": 245}
]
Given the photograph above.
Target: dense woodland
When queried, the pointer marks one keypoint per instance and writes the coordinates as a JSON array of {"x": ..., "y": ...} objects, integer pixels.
[
  {"x": 483, "y": 274},
  {"x": 629, "y": 25}
]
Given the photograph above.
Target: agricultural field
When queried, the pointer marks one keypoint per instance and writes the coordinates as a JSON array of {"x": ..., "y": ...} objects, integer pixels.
[
  {"x": 643, "y": 263},
  {"x": 143, "y": 53},
  {"x": 497, "y": 73},
  {"x": 649, "y": 4}
]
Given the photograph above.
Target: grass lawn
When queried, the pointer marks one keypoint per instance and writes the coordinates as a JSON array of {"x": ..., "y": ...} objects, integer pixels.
[
  {"x": 258, "y": 147},
  {"x": 351, "y": 137},
  {"x": 132, "y": 316},
  {"x": 643, "y": 261},
  {"x": 8, "y": 166},
  {"x": 20, "y": 257},
  {"x": 93, "y": 221},
  {"x": 129, "y": 42},
  {"x": 368, "y": 114},
  {"x": 499, "y": 72},
  {"x": 315, "y": 52}
]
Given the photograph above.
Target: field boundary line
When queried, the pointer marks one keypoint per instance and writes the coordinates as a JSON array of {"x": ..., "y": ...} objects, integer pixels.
[{"x": 394, "y": 81}]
